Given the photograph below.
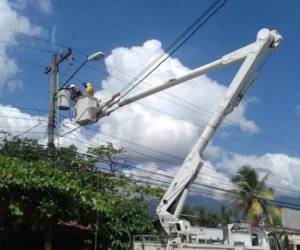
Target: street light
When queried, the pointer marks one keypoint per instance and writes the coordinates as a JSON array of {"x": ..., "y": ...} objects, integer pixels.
[
  {"x": 96, "y": 56},
  {"x": 91, "y": 58}
]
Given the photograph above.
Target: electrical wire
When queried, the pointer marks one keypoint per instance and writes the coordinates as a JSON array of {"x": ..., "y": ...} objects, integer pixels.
[
  {"x": 233, "y": 174},
  {"x": 204, "y": 112},
  {"x": 49, "y": 41},
  {"x": 27, "y": 46},
  {"x": 139, "y": 145},
  {"x": 25, "y": 61},
  {"x": 170, "y": 163},
  {"x": 210, "y": 15},
  {"x": 253, "y": 132},
  {"x": 28, "y": 130},
  {"x": 21, "y": 118},
  {"x": 272, "y": 201}
]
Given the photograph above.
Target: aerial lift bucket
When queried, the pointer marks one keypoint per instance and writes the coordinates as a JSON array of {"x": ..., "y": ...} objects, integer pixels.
[{"x": 86, "y": 108}]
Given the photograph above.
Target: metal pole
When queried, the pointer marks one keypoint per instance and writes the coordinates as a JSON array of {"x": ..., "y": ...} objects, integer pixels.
[{"x": 51, "y": 114}]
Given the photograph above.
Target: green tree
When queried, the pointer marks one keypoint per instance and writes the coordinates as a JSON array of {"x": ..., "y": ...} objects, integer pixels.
[
  {"x": 206, "y": 218},
  {"x": 226, "y": 215},
  {"x": 126, "y": 219},
  {"x": 36, "y": 194},
  {"x": 252, "y": 196},
  {"x": 202, "y": 217},
  {"x": 109, "y": 154}
]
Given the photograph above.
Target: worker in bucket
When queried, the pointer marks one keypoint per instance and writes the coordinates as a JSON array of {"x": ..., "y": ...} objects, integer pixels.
[
  {"x": 89, "y": 91},
  {"x": 75, "y": 92}
]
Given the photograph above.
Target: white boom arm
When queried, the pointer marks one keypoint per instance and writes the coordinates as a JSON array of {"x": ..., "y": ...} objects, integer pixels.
[{"x": 171, "y": 205}]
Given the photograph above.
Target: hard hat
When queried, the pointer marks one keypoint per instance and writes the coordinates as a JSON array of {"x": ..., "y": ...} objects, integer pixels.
[
  {"x": 88, "y": 84},
  {"x": 72, "y": 86}
]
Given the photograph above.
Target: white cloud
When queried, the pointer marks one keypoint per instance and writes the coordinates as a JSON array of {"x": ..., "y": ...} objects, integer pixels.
[
  {"x": 150, "y": 173},
  {"x": 164, "y": 133},
  {"x": 16, "y": 122},
  {"x": 283, "y": 170},
  {"x": 44, "y": 6},
  {"x": 9, "y": 18},
  {"x": 161, "y": 131}
]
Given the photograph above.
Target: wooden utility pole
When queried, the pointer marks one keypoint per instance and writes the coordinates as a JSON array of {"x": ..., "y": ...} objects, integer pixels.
[
  {"x": 51, "y": 114},
  {"x": 53, "y": 69}
]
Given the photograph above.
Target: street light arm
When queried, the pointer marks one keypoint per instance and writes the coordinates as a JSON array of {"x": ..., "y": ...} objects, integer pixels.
[
  {"x": 91, "y": 58},
  {"x": 73, "y": 74}
]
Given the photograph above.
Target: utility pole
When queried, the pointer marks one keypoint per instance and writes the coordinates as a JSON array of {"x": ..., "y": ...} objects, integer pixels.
[
  {"x": 53, "y": 69},
  {"x": 51, "y": 114}
]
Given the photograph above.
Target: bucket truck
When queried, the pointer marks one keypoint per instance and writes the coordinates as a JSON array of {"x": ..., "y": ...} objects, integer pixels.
[{"x": 180, "y": 234}]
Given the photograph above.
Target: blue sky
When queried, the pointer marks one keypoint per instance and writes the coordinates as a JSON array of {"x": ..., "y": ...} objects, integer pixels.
[{"x": 105, "y": 25}]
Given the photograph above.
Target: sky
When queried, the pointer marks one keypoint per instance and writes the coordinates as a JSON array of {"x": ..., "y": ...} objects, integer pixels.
[{"x": 161, "y": 128}]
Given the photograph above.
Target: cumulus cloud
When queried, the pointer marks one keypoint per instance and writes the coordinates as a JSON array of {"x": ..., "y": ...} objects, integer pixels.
[
  {"x": 16, "y": 122},
  {"x": 176, "y": 128},
  {"x": 152, "y": 174},
  {"x": 283, "y": 170},
  {"x": 11, "y": 19},
  {"x": 170, "y": 134}
]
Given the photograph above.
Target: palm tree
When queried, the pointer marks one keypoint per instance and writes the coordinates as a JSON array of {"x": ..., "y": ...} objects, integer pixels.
[
  {"x": 252, "y": 196},
  {"x": 225, "y": 215}
]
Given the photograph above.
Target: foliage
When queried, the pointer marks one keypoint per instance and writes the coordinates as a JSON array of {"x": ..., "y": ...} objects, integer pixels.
[
  {"x": 25, "y": 149},
  {"x": 126, "y": 219},
  {"x": 37, "y": 193},
  {"x": 205, "y": 218},
  {"x": 253, "y": 196},
  {"x": 226, "y": 216},
  {"x": 109, "y": 154},
  {"x": 30, "y": 150}
]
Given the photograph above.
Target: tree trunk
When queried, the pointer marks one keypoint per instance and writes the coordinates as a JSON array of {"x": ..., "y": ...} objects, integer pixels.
[{"x": 48, "y": 240}]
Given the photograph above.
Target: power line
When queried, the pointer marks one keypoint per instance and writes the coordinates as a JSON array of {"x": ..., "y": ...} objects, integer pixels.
[
  {"x": 204, "y": 112},
  {"x": 83, "y": 53},
  {"x": 25, "y": 61},
  {"x": 190, "y": 28},
  {"x": 16, "y": 109},
  {"x": 203, "y": 174},
  {"x": 40, "y": 39},
  {"x": 279, "y": 142},
  {"x": 274, "y": 201},
  {"x": 28, "y": 130},
  {"x": 21, "y": 118},
  {"x": 26, "y": 46},
  {"x": 160, "y": 55},
  {"x": 176, "y": 157},
  {"x": 233, "y": 174}
]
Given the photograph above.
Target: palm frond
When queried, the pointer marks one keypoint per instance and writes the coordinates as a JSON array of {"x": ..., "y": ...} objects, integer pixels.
[{"x": 255, "y": 210}]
